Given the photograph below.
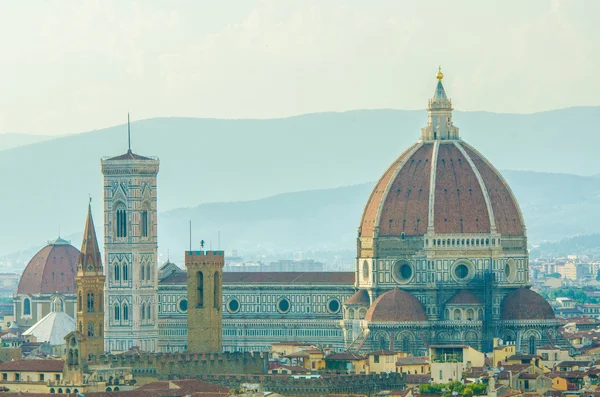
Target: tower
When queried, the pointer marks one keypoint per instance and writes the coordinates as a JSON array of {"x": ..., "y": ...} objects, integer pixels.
[
  {"x": 90, "y": 291},
  {"x": 130, "y": 249},
  {"x": 88, "y": 339},
  {"x": 204, "y": 286}
]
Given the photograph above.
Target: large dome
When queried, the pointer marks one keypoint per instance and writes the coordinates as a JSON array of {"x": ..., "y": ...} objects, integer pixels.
[
  {"x": 441, "y": 185},
  {"x": 525, "y": 304},
  {"x": 445, "y": 187},
  {"x": 51, "y": 270},
  {"x": 396, "y": 306}
]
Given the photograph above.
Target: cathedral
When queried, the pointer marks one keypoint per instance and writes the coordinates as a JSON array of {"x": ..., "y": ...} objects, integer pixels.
[{"x": 441, "y": 259}]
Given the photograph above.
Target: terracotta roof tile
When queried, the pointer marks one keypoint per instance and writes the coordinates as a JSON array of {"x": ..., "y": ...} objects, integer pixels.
[
  {"x": 33, "y": 365},
  {"x": 525, "y": 304},
  {"x": 51, "y": 270},
  {"x": 396, "y": 306},
  {"x": 288, "y": 277},
  {"x": 360, "y": 298},
  {"x": 464, "y": 297}
]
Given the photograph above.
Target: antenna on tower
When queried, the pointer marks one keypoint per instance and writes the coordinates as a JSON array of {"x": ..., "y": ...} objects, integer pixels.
[{"x": 128, "y": 133}]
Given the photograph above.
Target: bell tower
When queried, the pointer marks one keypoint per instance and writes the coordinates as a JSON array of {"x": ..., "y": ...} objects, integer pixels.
[
  {"x": 88, "y": 339},
  {"x": 204, "y": 290},
  {"x": 90, "y": 291}
]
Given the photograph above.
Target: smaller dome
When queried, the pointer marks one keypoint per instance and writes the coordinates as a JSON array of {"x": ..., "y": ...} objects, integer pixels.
[
  {"x": 51, "y": 270},
  {"x": 360, "y": 298},
  {"x": 396, "y": 306},
  {"x": 525, "y": 304},
  {"x": 464, "y": 297}
]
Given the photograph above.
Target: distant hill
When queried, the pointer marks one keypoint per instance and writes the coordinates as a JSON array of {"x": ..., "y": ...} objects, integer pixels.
[
  {"x": 46, "y": 184},
  {"x": 11, "y": 140},
  {"x": 554, "y": 206}
]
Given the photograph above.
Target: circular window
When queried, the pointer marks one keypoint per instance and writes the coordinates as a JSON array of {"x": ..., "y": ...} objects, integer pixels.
[
  {"x": 283, "y": 306},
  {"x": 510, "y": 270},
  {"x": 233, "y": 305},
  {"x": 462, "y": 271},
  {"x": 333, "y": 306},
  {"x": 402, "y": 272},
  {"x": 182, "y": 306}
]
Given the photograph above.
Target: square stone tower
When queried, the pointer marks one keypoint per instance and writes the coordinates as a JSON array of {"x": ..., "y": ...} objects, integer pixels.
[
  {"x": 130, "y": 250},
  {"x": 204, "y": 290}
]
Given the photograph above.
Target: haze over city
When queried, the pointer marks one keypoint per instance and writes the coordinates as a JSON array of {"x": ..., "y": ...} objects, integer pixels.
[
  {"x": 299, "y": 199},
  {"x": 72, "y": 66}
]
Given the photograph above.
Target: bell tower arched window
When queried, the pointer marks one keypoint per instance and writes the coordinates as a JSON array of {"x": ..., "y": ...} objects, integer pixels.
[
  {"x": 125, "y": 272},
  {"x": 216, "y": 290},
  {"x": 117, "y": 272},
  {"x": 121, "y": 221},
  {"x": 90, "y": 302},
  {"x": 144, "y": 224},
  {"x": 117, "y": 311},
  {"x": 125, "y": 312},
  {"x": 200, "y": 281}
]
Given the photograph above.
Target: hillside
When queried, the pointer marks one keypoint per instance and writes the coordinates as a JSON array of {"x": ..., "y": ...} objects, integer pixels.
[
  {"x": 11, "y": 140},
  {"x": 47, "y": 184}
]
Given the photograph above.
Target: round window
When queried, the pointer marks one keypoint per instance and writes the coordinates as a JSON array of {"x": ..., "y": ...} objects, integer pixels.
[
  {"x": 233, "y": 306},
  {"x": 462, "y": 271},
  {"x": 283, "y": 306},
  {"x": 402, "y": 272},
  {"x": 510, "y": 270},
  {"x": 333, "y": 306},
  {"x": 183, "y": 305}
]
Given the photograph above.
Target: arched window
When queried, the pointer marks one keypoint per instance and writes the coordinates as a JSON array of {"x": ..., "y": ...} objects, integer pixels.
[
  {"x": 121, "y": 215},
  {"x": 125, "y": 272},
  {"x": 81, "y": 326},
  {"x": 200, "y": 281},
  {"x": 125, "y": 312},
  {"x": 406, "y": 345},
  {"x": 217, "y": 291},
  {"x": 365, "y": 270},
  {"x": 143, "y": 311},
  {"x": 149, "y": 312},
  {"x": 144, "y": 223},
  {"x": 148, "y": 273},
  {"x": 117, "y": 272},
  {"x": 90, "y": 302},
  {"x": 532, "y": 344},
  {"x": 90, "y": 330},
  {"x": 80, "y": 303},
  {"x": 117, "y": 312},
  {"x": 457, "y": 314},
  {"x": 470, "y": 315},
  {"x": 27, "y": 307}
]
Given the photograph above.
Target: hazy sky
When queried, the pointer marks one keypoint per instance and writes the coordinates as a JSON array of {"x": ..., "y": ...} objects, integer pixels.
[{"x": 73, "y": 66}]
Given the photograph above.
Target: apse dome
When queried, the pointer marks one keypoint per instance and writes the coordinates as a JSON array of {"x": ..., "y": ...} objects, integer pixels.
[
  {"x": 525, "y": 304},
  {"x": 396, "y": 306},
  {"x": 51, "y": 270}
]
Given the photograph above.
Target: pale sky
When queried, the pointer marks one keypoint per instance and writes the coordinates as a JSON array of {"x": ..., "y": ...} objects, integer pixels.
[{"x": 73, "y": 66}]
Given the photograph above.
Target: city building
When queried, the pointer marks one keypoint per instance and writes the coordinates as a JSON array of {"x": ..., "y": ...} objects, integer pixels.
[
  {"x": 130, "y": 252},
  {"x": 48, "y": 277},
  {"x": 442, "y": 253}
]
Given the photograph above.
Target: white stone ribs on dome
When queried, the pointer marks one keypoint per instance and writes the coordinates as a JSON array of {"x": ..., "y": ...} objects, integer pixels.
[
  {"x": 508, "y": 188},
  {"x": 431, "y": 220},
  {"x": 486, "y": 196},
  {"x": 393, "y": 178}
]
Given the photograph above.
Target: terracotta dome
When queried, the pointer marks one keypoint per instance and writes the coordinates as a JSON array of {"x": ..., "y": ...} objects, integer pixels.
[
  {"x": 51, "y": 270},
  {"x": 449, "y": 180},
  {"x": 396, "y": 306},
  {"x": 360, "y": 298},
  {"x": 525, "y": 304},
  {"x": 464, "y": 297}
]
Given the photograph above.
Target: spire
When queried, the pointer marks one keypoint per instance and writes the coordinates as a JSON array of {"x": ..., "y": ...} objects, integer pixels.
[
  {"x": 90, "y": 258},
  {"x": 439, "y": 122},
  {"x": 128, "y": 134}
]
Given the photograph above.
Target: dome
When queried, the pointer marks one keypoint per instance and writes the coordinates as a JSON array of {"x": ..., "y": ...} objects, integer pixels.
[
  {"x": 51, "y": 270},
  {"x": 444, "y": 185},
  {"x": 525, "y": 304},
  {"x": 360, "y": 298},
  {"x": 441, "y": 185},
  {"x": 396, "y": 306},
  {"x": 464, "y": 297}
]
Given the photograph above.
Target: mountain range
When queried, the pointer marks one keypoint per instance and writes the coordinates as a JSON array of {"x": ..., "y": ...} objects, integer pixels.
[{"x": 237, "y": 162}]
